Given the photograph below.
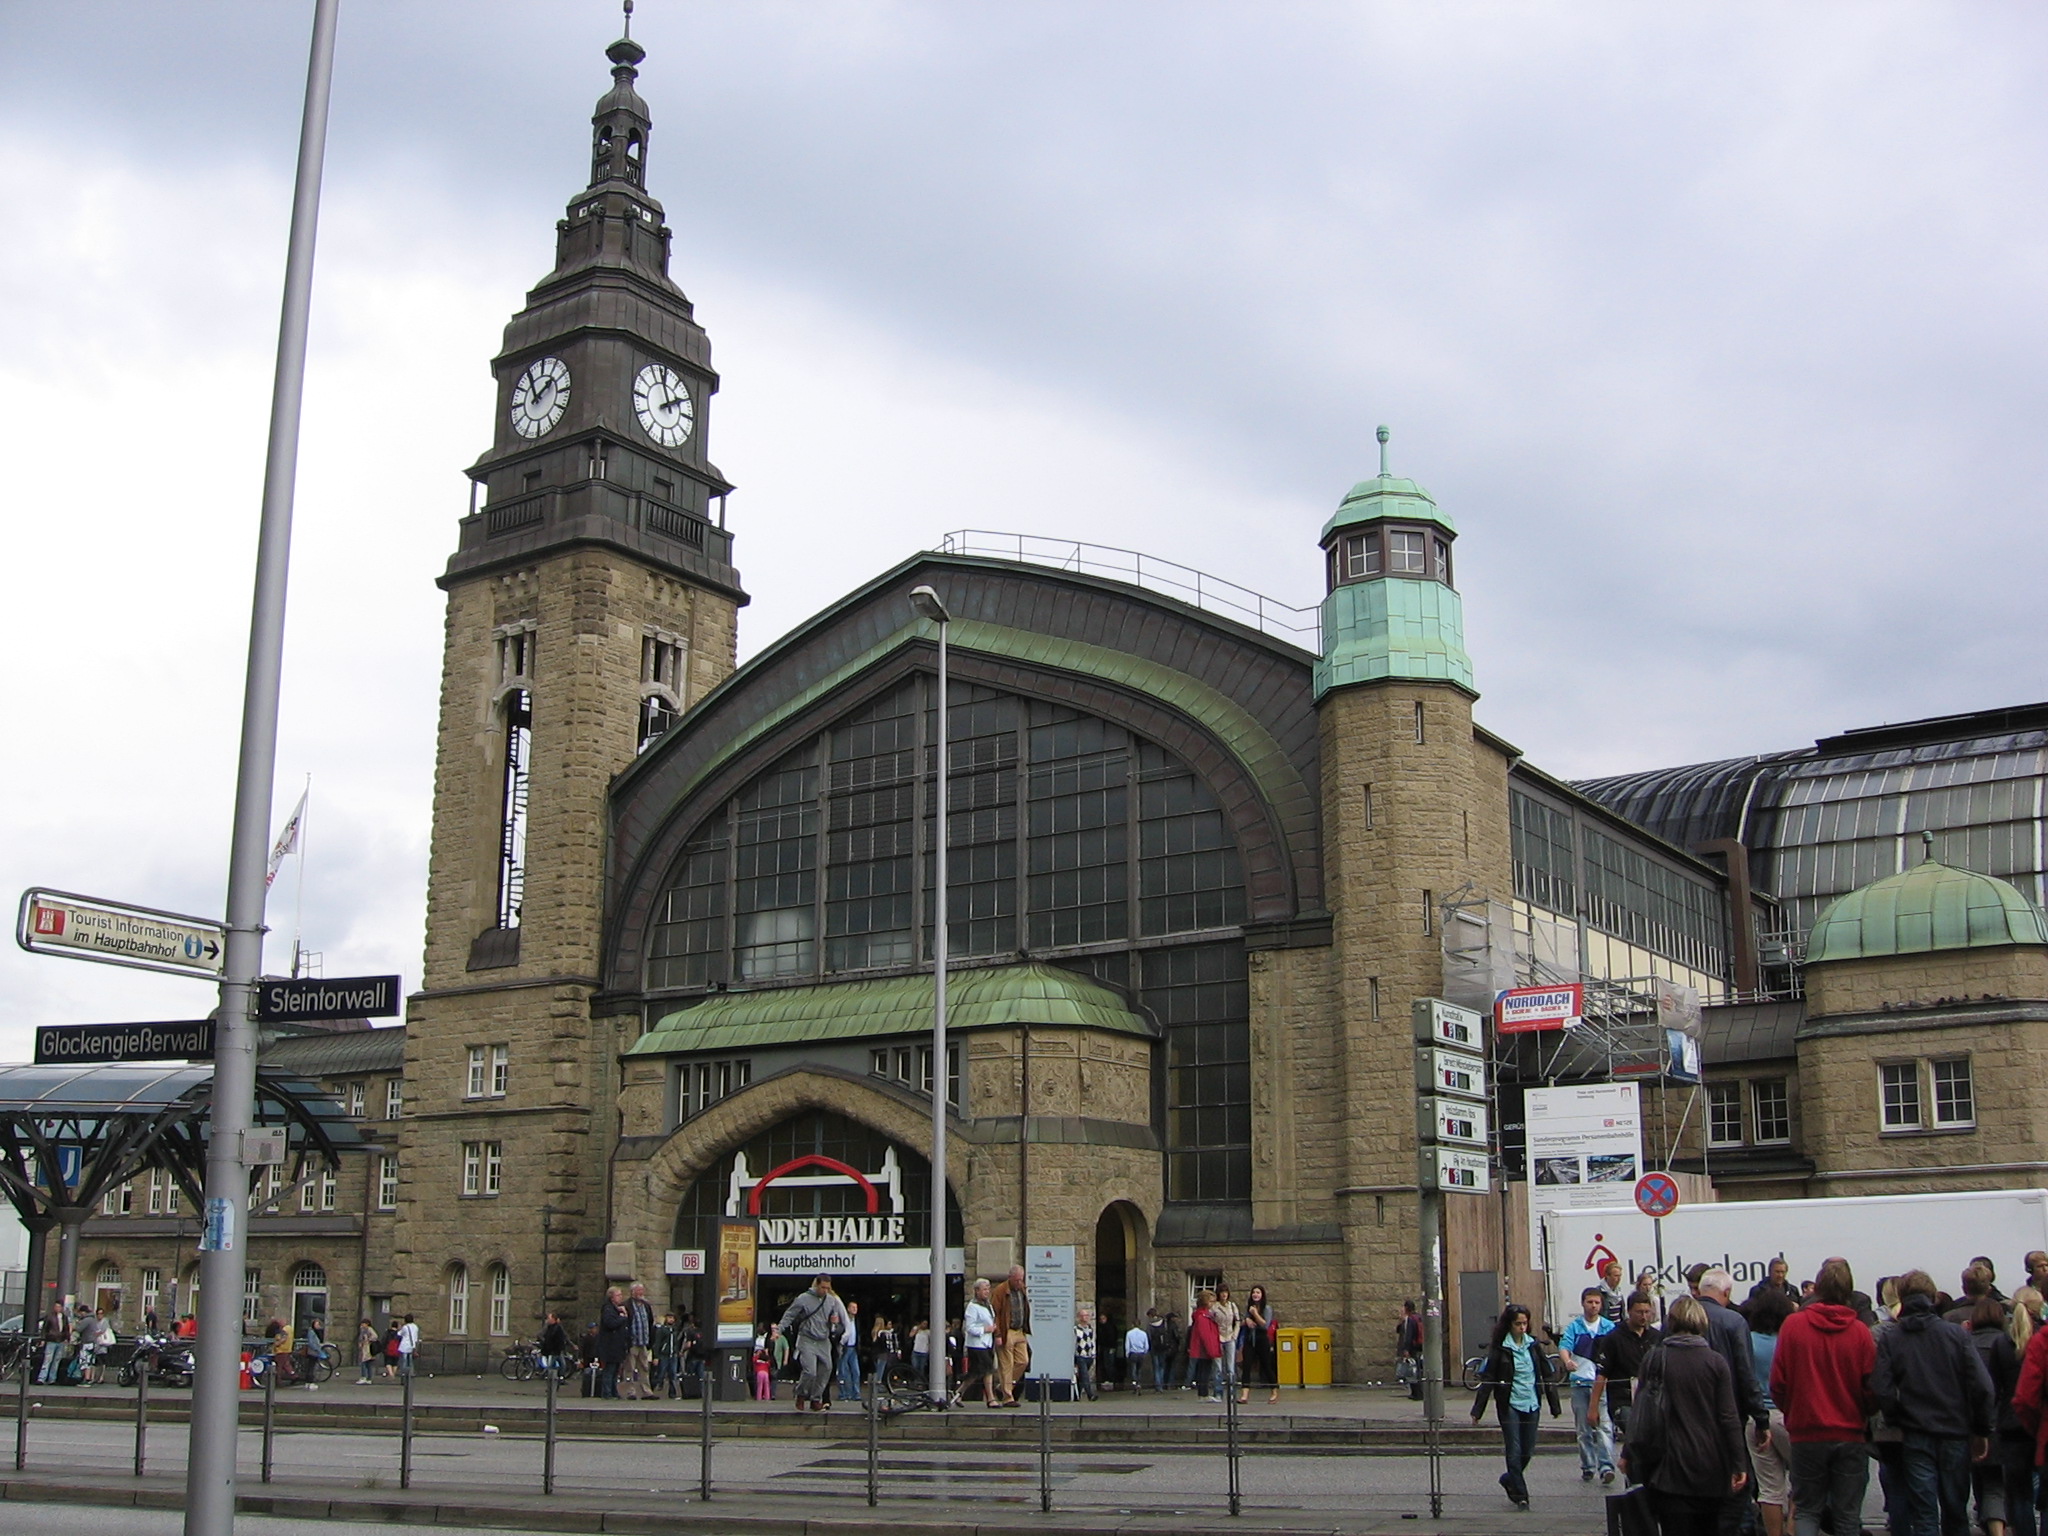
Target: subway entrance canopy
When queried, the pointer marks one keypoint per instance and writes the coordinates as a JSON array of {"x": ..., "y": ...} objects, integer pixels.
[{"x": 68, "y": 1135}]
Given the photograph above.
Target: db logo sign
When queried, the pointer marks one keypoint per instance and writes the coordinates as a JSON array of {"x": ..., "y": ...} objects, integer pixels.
[{"x": 48, "y": 922}]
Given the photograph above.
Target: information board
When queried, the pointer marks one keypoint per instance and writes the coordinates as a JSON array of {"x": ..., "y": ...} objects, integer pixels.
[
  {"x": 1585, "y": 1151},
  {"x": 1049, "y": 1281}
]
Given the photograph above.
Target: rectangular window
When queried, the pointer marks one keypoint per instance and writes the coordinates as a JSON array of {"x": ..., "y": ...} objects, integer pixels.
[
  {"x": 1955, "y": 1099},
  {"x": 1771, "y": 1102},
  {"x": 394, "y": 1098},
  {"x": 1421, "y": 734},
  {"x": 1404, "y": 553},
  {"x": 501, "y": 1070},
  {"x": 478, "y": 1066},
  {"x": 472, "y": 1167},
  {"x": 494, "y": 1167},
  {"x": 1361, "y": 555},
  {"x": 309, "y": 1197},
  {"x": 1724, "y": 1114},
  {"x": 1370, "y": 809},
  {"x": 1201, "y": 998},
  {"x": 501, "y": 1301},
  {"x": 387, "y": 1182},
  {"x": 1428, "y": 913},
  {"x": 158, "y": 1177},
  {"x": 1442, "y": 556},
  {"x": 878, "y": 1063},
  {"x": 1373, "y": 990},
  {"x": 358, "y": 1094},
  {"x": 458, "y": 1301},
  {"x": 152, "y": 1290},
  {"x": 700, "y": 1087},
  {"x": 327, "y": 1190},
  {"x": 252, "y": 1297},
  {"x": 1899, "y": 1086},
  {"x": 172, "y": 1195},
  {"x": 119, "y": 1200}
]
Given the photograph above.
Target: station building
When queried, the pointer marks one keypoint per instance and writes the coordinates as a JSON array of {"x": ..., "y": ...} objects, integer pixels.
[{"x": 1205, "y": 853}]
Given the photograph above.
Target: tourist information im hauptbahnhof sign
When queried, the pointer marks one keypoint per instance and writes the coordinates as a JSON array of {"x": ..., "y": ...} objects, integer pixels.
[{"x": 87, "y": 928}]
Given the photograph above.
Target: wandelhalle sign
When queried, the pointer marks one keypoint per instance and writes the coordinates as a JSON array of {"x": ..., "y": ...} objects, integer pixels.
[
  {"x": 80, "y": 1044},
  {"x": 308, "y": 1000}
]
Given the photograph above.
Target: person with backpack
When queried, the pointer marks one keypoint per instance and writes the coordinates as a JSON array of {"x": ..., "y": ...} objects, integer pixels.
[
  {"x": 815, "y": 1319},
  {"x": 1685, "y": 1438},
  {"x": 1994, "y": 1348},
  {"x": 1517, "y": 1373},
  {"x": 1931, "y": 1384}
]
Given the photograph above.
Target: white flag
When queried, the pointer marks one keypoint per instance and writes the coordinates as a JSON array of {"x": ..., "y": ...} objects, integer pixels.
[{"x": 287, "y": 840}]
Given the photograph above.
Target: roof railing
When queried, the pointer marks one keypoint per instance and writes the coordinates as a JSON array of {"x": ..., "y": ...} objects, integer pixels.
[{"x": 1297, "y": 626}]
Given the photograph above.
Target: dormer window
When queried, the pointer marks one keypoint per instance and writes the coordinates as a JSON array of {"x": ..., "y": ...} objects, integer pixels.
[{"x": 1404, "y": 553}]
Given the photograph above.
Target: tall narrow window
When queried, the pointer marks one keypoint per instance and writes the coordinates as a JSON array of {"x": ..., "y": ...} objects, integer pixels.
[
  {"x": 1371, "y": 810},
  {"x": 394, "y": 1098},
  {"x": 356, "y": 1093},
  {"x": 458, "y": 1300},
  {"x": 152, "y": 1291},
  {"x": 494, "y": 1166},
  {"x": 327, "y": 1189},
  {"x": 501, "y": 1300},
  {"x": 501, "y": 1070},
  {"x": 252, "y": 1296},
  {"x": 1724, "y": 1114},
  {"x": 472, "y": 1167},
  {"x": 1440, "y": 553},
  {"x": 477, "y": 1065},
  {"x": 512, "y": 832},
  {"x": 1772, "y": 1107},
  {"x": 387, "y": 1182},
  {"x": 1899, "y": 1095},
  {"x": 1373, "y": 991},
  {"x": 1428, "y": 912},
  {"x": 1421, "y": 736}
]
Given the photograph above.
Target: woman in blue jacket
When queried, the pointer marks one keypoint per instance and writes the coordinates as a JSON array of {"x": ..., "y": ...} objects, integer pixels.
[{"x": 1519, "y": 1373}]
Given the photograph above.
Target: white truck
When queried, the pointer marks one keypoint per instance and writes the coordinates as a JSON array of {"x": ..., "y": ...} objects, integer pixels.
[{"x": 1878, "y": 1234}]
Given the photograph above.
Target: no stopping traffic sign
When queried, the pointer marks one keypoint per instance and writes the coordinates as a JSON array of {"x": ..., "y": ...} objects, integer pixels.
[{"x": 1656, "y": 1194}]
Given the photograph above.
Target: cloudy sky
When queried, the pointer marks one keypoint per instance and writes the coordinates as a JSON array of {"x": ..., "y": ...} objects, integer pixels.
[{"x": 1719, "y": 329}]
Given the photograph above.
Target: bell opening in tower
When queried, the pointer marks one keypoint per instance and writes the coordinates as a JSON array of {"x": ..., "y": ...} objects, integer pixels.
[{"x": 512, "y": 836}]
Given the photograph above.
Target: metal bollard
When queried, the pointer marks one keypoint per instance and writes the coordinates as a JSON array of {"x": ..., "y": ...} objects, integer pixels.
[
  {"x": 28, "y": 1370},
  {"x": 405, "y": 1426},
  {"x": 141, "y": 1414},
  {"x": 269, "y": 1411},
  {"x": 1231, "y": 1446},
  {"x": 547, "y": 1466},
  {"x": 706, "y": 1385},
  {"x": 874, "y": 1446},
  {"x": 1045, "y": 1445}
]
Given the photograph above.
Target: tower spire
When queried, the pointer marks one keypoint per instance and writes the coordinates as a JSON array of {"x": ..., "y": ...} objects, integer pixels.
[
  {"x": 1383, "y": 434},
  {"x": 629, "y": 20},
  {"x": 620, "y": 125}
]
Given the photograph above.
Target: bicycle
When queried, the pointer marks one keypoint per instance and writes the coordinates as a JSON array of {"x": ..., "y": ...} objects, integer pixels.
[
  {"x": 902, "y": 1389},
  {"x": 524, "y": 1362}
]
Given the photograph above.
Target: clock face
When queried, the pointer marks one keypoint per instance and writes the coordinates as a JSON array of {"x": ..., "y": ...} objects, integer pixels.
[
  {"x": 540, "y": 397},
  {"x": 662, "y": 401}
]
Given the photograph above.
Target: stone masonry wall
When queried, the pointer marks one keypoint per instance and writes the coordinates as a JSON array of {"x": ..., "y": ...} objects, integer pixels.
[{"x": 1889, "y": 981}]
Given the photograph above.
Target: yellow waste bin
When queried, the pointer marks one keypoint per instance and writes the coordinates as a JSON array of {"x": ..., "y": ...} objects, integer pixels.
[
  {"x": 1315, "y": 1357},
  {"x": 1287, "y": 1347}
]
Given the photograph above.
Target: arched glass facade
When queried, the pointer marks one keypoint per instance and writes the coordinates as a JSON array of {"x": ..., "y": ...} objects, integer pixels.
[{"x": 1069, "y": 839}]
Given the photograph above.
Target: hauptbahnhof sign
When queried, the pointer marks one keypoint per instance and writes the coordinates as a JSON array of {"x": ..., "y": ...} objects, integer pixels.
[{"x": 83, "y": 1044}]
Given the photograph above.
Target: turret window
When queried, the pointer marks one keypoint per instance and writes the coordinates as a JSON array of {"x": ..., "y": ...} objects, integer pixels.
[
  {"x": 1361, "y": 555},
  {"x": 1440, "y": 551},
  {"x": 1404, "y": 553}
]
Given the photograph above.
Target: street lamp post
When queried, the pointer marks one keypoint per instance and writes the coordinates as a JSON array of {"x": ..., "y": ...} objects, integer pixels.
[{"x": 928, "y": 606}]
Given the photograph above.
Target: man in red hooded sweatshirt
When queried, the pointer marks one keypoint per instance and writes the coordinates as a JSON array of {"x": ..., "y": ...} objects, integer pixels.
[{"x": 1820, "y": 1381}]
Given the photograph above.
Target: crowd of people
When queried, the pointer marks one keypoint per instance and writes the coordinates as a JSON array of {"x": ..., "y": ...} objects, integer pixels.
[{"x": 1766, "y": 1414}]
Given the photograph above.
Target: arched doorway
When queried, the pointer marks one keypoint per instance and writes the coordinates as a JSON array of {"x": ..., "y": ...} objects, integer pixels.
[
  {"x": 309, "y": 1300},
  {"x": 834, "y": 1196},
  {"x": 1117, "y": 1294}
]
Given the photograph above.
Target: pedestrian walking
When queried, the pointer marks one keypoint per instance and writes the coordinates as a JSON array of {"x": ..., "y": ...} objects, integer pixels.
[
  {"x": 1205, "y": 1346},
  {"x": 814, "y": 1320},
  {"x": 614, "y": 1341},
  {"x": 553, "y": 1344},
  {"x": 1138, "y": 1354},
  {"x": 2015, "y": 1448},
  {"x": 1518, "y": 1373},
  {"x": 1820, "y": 1388},
  {"x": 1994, "y": 1347},
  {"x": 1774, "y": 1283},
  {"x": 1408, "y": 1345},
  {"x": 1580, "y": 1348},
  {"x": 1011, "y": 1303},
  {"x": 369, "y": 1345},
  {"x": 1931, "y": 1384},
  {"x": 1258, "y": 1354},
  {"x": 391, "y": 1350},
  {"x": 846, "y": 1356},
  {"x": 1770, "y": 1456},
  {"x": 1613, "y": 1294},
  {"x": 636, "y": 1375},
  {"x": 1084, "y": 1352},
  {"x": 1619, "y": 1357},
  {"x": 1229, "y": 1321},
  {"x": 979, "y": 1329},
  {"x": 408, "y": 1345},
  {"x": 1691, "y": 1452}
]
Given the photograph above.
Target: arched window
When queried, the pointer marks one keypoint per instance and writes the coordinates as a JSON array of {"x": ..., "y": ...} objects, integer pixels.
[
  {"x": 458, "y": 1300},
  {"x": 501, "y": 1300},
  {"x": 309, "y": 1277},
  {"x": 110, "y": 1277}
]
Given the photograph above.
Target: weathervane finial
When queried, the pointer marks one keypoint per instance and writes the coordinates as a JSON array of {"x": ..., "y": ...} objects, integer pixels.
[
  {"x": 629, "y": 18},
  {"x": 1383, "y": 434}
]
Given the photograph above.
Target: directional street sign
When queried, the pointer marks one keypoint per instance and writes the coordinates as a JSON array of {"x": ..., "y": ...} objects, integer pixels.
[
  {"x": 1452, "y": 1121},
  {"x": 187, "y": 1040},
  {"x": 1451, "y": 1072},
  {"x": 304, "y": 1000},
  {"x": 1468, "y": 1173},
  {"x": 1656, "y": 1194},
  {"x": 114, "y": 933}
]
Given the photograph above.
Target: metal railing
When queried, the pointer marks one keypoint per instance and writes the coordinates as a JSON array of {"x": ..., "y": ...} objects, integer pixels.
[{"x": 1297, "y": 626}]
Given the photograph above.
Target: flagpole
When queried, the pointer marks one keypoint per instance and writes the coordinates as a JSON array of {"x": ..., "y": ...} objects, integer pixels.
[{"x": 299, "y": 895}]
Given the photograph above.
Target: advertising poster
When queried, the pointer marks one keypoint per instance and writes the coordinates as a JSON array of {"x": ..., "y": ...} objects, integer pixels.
[
  {"x": 738, "y": 1269},
  {"x": 1585, "y": 1151}
]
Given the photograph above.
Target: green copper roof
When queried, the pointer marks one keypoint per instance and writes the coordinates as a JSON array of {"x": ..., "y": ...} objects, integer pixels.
[
  {"x": 1387, "y": 496},
  {"x": 890, "y": 1005},
  {"x": 1929, "y": 907},
  {"x": 1392, "y": 627}
]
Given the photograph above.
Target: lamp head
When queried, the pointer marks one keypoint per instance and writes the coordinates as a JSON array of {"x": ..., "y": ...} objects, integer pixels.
[{"x": 928, "y": 606}]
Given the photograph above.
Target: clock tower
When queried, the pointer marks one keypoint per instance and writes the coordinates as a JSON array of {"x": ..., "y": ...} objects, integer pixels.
[{"x": 591, "y": 599}]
